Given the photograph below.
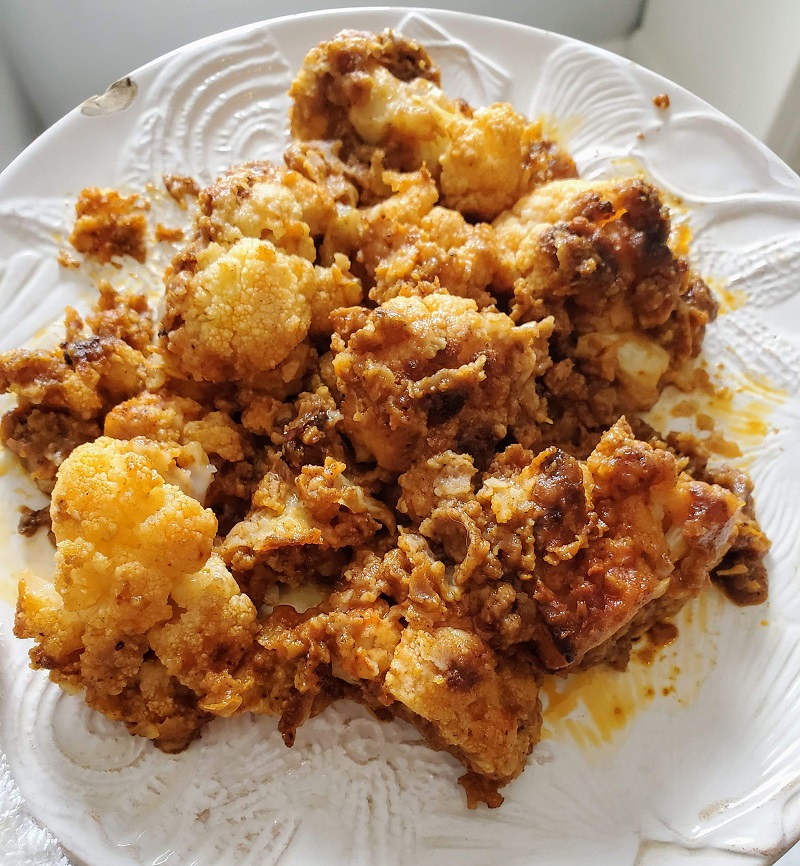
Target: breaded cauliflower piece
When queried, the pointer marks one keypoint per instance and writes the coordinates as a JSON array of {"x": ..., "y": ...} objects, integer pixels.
[
  {"x": 405, "y": 245},
  {"x": 163, "y": 417},
  {"x": 423, "y": 375},
  {"x": 442, "y": 251},
  {"x": 245, "y": 294},
  {"x": 628, "y": 314},
  {"x": 64, "y": 393},
  {"x": 260, "y": 200},
  {"x": 322, "y": 91},
  {"x": 429, "y": 482},
  {"x": 213, "y": 631},
  {"x": 319, "y": 507},
  {"x": 237, "y": 313},
  {"x": 354, "y": 178},
  {"x": 84, "y": 377},
  {"x": 606, "y": 547},
  {"x": 110, "y": 225},
  {"x": 334, "y": 287},
  {"x": 384, "y": 91},
  {"x": 132, "y": 549},
  {"x": 741, "y": 574},
  {"x": 369, "y": 234},
  {"x": 494, "y": 157},
  {"x": 466, "y": 699}
]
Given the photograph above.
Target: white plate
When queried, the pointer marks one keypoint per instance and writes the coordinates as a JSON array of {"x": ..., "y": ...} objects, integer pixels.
[{"x": 709, "y": 773}]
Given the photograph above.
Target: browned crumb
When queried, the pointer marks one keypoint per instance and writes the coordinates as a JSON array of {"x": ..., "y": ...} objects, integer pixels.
[
  {"x": 661, "y": 100},
  {"x": 479, "y": 790},
  {"x": 180, "y": 187},
  {"x": 109, "y": 225},
  {"x": 66, "y": 260},
  {"x": 163, "y": 233},
  {"x": 31, "y": 520}
]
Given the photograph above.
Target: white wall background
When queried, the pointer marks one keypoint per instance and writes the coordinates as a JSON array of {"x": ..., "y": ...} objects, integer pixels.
[
  {"x": 19, "y": 122},
  {"x": 742, "y": 56}
]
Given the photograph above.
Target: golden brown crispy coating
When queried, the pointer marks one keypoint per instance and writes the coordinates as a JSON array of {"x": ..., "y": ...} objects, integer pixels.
[
  {"x": 245, "y": 294},
  {"x": 628, "y": 314},
  {"x": 383, "y": 91},
  {"x": 741, "y": 574},
  {"x": 609, "y": 536},
  {"x": 323, "y": 91},
  {"x": 432, "y": 373},
  {"x": 319, "y": 507},
  {"x": 405, "y": 245},
  {"x": 110, "y": 225},
  {"x": 63, "y": 394},
  {"x": 353, "y": 178},
  {"x": 482, "y": 708},
  {"x": 260, "y": 200}
]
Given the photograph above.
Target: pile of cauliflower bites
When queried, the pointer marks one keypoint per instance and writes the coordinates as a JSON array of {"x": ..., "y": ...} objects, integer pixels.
[{"x": 385, "y": 442}]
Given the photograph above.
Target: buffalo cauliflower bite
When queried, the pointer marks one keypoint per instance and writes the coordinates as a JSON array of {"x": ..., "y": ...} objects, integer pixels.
[
  {"x": 63, "y": 394},
  {"x": 235, "y": 314},
  {"x": 110, "y": 225},
  {"x": 322, "y": 91},
  {"x": 259, "y": 200},
  {"x": 628, "y": 314},
  {"x": 604, "y": 542},
  {"x": 246, "y": 293},
  {"x": 432, "y": 373},
  {"x": 353, "y": 178},
  {"x": 466, "y": 699},
  {"x": 164, "y": 417},
  {"x": 384, "y": 91},
  {"x": 132, "y": 549},
  {"x": 407, "y": 245},
  {"x": 318, "y": 507}
]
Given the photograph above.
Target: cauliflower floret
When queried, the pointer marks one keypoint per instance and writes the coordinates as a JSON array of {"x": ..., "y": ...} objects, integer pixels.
[
  {"x": 260, "y": 200},
  {"x": 321, "y": 100},
  {"x": 62, "y": 394},
  {"x": 132, "y": 549},
  {"x": 441, "y": 251},
  {"x": 245, "y": 294},
  {"x": 168, "y": 418},
  {"x": 319, "y": 507},
  {"x": 421, "y": 375},
  {"x": 494, "y": 157},
  {"x": 215, "y": 630},
  {"x": 466, "y": 699},
  {"x": 607, "y": 546},
  {"x": 384, "y": 91},
  {"x": 406, "y": 245},
  {"x": 334, "y": 287},
  {"x": 445, "y": 476},
  {"x": 239, "y": 313},
  {"x": 628, "y": 314}
]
